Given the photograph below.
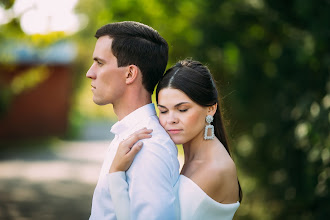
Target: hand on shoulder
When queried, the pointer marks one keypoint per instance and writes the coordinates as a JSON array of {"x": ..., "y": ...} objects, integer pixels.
[{"x": 128, "y": 149}]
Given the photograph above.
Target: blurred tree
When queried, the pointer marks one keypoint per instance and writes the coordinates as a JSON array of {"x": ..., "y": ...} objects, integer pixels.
[
  {"x": 276, "y": 54},
  {"x": 7, "y": 3}
]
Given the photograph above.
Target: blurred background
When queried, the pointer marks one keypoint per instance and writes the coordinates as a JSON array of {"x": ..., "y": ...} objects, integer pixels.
[{"x": 271, "y": 60}]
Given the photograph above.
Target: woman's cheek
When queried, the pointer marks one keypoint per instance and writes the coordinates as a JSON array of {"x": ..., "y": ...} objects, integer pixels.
[
  {"x": 162, "y": 121},
  {"x": 191, "y": 120}
]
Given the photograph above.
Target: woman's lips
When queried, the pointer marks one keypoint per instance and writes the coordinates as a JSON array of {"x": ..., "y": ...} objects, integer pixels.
[{"x": 174, "y": 131}]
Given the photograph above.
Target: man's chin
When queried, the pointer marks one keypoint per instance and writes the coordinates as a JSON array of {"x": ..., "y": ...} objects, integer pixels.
[{"x": 98, "y": 102}]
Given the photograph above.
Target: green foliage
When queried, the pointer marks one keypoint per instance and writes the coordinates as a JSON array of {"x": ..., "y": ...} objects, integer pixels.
[{"x": 7, "y": 3}]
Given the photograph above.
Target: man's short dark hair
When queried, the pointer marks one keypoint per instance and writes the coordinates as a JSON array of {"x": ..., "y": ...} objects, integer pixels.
[{"x": 137, "y": 44}]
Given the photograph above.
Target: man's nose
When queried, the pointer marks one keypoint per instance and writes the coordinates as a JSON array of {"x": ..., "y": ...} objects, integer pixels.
[{"x": 90, "y": 73}]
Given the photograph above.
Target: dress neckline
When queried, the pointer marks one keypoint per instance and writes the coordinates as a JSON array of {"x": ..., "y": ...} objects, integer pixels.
[{"x": 204, "y": 193}]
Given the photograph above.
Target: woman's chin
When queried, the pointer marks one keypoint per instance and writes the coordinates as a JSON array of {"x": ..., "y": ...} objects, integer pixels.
[{"x": 177, "y": 140}]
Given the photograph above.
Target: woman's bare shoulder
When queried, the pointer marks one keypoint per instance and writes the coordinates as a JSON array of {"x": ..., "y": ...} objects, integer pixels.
[{"x": 218, "y": 180}]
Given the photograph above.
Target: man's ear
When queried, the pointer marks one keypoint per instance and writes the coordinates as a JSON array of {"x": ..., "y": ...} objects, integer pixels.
[
  {"x": 212, "y": 109},
  {"x": 132, "y": 74}
]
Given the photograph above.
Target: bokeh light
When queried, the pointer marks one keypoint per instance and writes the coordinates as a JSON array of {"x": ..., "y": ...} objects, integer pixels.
[{"x": 45, "y": 16}]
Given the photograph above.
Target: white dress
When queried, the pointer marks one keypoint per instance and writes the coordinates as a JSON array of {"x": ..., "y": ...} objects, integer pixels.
[
  {"x": 193, "y": 203},
  {"x": 196, "y": 204}
]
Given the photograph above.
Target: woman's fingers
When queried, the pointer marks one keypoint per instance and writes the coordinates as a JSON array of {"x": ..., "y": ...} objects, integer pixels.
[
  {"x": 134, "y": 150},
  {"x": 136, "y": 136},
  {"x": 128, "y": 149}
]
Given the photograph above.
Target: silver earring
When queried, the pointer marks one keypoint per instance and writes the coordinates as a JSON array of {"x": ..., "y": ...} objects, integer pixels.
[{"x": 209, "y": 119}]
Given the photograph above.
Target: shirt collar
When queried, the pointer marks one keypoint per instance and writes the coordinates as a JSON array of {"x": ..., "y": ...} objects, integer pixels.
[{"x": 133, "y": 118}]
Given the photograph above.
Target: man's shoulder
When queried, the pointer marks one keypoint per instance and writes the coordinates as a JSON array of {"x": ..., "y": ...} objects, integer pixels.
[
  {"x": 159, "y": 135},
  {"x": 159, "y": 151},
  {"x": 160, "y": 142}
]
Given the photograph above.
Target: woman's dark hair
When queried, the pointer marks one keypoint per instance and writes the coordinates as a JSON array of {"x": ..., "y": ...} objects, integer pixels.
[
  {"x": 134, "y": 43},
  {"x": 196, "y": 81}
]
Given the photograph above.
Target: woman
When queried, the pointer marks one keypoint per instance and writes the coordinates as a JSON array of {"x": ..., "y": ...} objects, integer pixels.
[{"x": 208, "y": 187}]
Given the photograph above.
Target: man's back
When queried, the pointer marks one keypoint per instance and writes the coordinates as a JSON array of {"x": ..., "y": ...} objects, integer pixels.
[{"x": 152, "y": 175}]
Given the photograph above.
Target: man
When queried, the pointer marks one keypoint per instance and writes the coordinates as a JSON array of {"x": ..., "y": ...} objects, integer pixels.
[{"x": 129, "y": 60}]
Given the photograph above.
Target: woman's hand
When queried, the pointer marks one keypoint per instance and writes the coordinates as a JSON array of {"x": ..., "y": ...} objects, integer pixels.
[{"x": 127, "y": 150}]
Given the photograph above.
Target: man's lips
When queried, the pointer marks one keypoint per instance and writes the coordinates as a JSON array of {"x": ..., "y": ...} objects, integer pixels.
[
  {"x": 174, "y": 131},
  {"x": 93, "y": 87}
]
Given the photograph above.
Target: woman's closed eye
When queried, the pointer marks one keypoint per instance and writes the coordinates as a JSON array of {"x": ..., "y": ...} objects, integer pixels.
[
  {"x": 183, "y": 110},
  {"x": 162, "y": 110}
]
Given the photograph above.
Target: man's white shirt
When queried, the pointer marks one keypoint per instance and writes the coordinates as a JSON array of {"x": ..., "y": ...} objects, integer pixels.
[{"x": 151, "y": 177}]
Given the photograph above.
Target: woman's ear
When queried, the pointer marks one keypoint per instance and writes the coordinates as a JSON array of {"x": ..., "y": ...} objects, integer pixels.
[
  {"x": 212, "y": 109},
  {"x": 132, "y": 74}
]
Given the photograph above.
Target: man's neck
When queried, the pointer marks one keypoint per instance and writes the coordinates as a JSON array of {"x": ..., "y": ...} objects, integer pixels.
[{"x": 124, "y": 108}]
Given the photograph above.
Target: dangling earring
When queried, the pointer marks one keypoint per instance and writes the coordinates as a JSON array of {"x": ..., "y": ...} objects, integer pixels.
[{"x": 209, "y": 119}]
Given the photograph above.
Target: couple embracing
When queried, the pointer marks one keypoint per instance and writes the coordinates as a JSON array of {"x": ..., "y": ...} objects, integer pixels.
[{"x": 140, "y": 176}]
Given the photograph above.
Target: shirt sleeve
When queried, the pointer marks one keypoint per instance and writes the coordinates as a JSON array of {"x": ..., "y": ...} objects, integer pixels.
[
  {"x": 150, "y": 179},
  {"x": 118, "y": 188}
]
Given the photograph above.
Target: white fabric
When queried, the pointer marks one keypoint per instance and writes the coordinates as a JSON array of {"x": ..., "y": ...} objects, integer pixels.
[
  {"x": 118, "y": 185},
  {"x": 151, "y": 177},
  {"x": 194, "y": 203}
]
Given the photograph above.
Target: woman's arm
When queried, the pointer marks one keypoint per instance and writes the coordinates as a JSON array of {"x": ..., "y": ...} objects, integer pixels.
[
  {"x": 118, "y": 188},
  {"x": 124, "y": 157}
]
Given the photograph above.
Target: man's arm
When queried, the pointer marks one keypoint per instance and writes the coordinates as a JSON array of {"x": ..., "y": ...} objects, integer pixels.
[{"x": 150, "y": 179}]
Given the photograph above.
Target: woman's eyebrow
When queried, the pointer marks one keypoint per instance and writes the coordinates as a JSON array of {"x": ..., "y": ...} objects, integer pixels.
[
  {"x": 177, "y": 105},
  {"x": 161, "y": 106},
  {"x": 181, "y": 103}
]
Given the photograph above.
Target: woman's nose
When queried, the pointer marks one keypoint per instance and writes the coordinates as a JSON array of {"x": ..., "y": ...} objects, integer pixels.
[{"x": 173, "y": 119}]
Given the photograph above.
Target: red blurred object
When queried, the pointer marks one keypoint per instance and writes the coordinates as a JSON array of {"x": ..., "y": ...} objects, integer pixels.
[{"x": 43, "y": 109}]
